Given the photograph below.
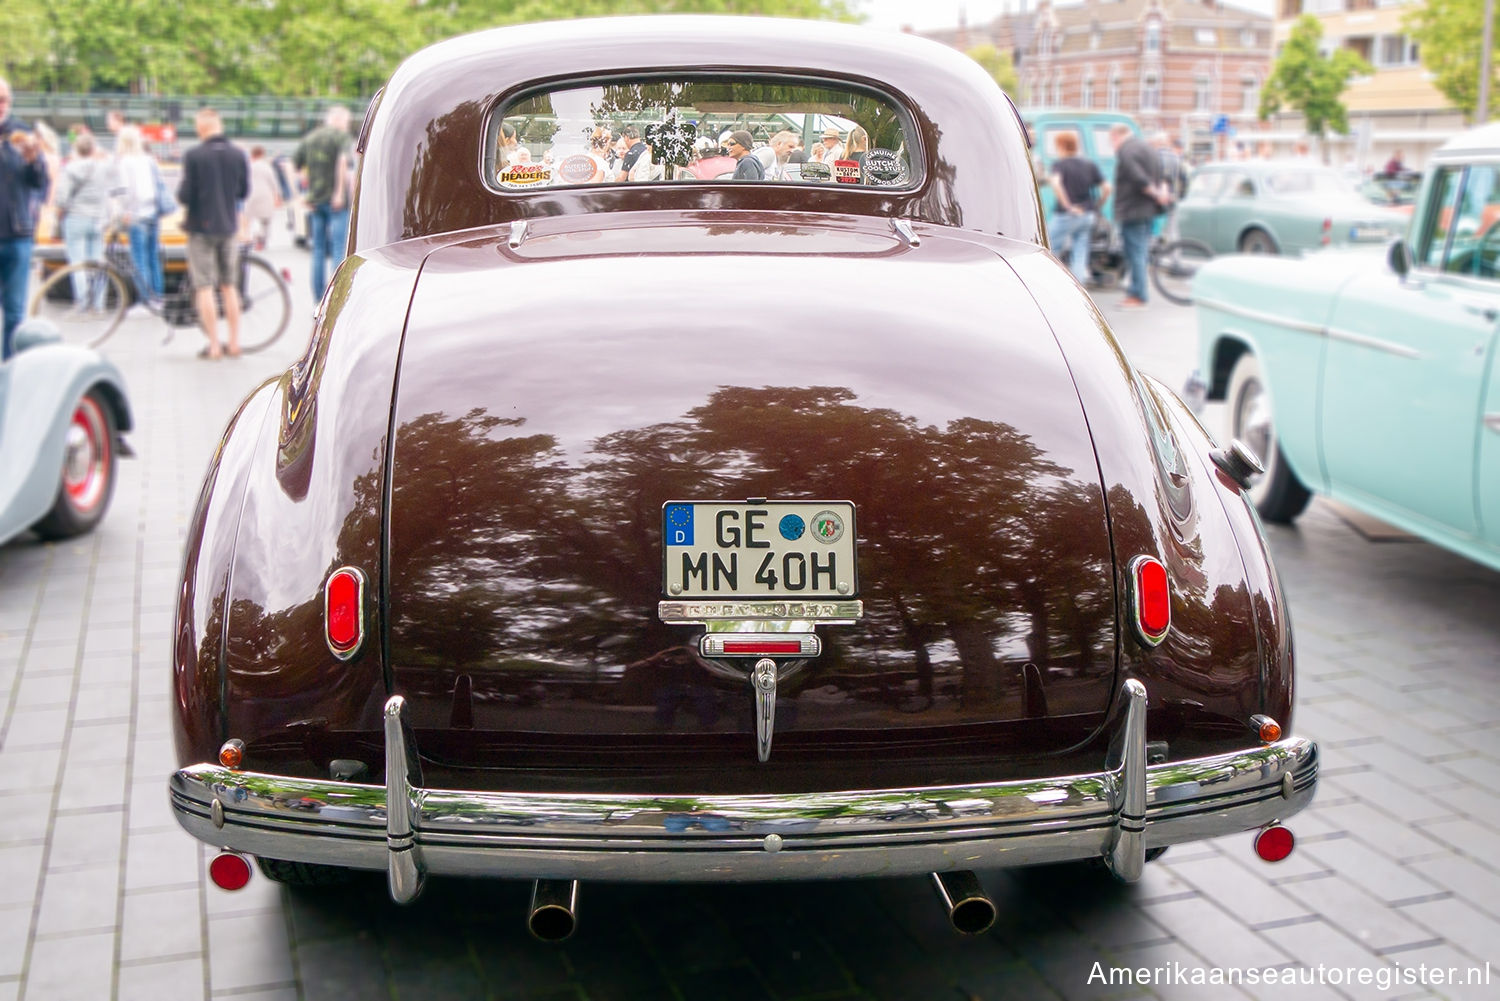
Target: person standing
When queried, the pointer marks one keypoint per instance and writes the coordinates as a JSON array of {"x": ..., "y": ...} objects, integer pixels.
[
  {"x": 87, "y": 186},
  {"x": 323, "y": 159},
  {"x": 138, "y": 208},
  {"x": 746, "y": 167},
  {"x": 831, "y": 147},
  {"x": 265, "y": 197},
  {"x": 215, "y": 180},
  {"x": 23, "y": 186},
  {"x": 1140, "y": 195},
  {"x": 1074, "y": 181}
]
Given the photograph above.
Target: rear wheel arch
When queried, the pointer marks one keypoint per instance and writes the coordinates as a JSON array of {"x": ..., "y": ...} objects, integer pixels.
[
  {"x": 1253, "y": 233},
  {"x": 1227, "y": 351}
]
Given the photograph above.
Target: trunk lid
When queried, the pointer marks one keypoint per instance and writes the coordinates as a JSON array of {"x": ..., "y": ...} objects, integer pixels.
[{"x": 553, "y": 396}]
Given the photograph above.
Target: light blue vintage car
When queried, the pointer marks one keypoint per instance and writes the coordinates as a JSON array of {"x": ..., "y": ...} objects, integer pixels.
[
  {"x": 1280, "y": 207},
  {"x": 1372, "y": 376},
  {"x": 63, "y": 410}
]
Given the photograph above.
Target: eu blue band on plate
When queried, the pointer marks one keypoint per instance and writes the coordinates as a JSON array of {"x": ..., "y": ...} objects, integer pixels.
[{"x": 679, "y": 524}]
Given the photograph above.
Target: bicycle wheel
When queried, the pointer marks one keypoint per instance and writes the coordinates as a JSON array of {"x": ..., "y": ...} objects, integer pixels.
[
  {"x": 265, "y": 304},
  {"x": 1173, "y": 266},
  {"x": 85, "y": 301}
]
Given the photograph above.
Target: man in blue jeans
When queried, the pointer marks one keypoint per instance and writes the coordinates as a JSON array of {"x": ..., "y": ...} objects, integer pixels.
[
  {"x": 1140, "y": 195},
  {"x": 23, "y": 187},
  {"x": 323, "y": 159}
]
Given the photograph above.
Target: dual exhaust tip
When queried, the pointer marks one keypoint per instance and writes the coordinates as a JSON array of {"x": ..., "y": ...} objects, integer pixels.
[{"x": 553, "y": 915}]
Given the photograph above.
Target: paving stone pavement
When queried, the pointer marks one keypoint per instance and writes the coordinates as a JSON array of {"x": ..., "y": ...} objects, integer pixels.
[{"x": 102, "y": 896}]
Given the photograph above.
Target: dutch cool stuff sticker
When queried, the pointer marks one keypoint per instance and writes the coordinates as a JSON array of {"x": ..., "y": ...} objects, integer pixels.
[
  {"x": 884, "y": 168},
  {"x": 526, "y": 175}
]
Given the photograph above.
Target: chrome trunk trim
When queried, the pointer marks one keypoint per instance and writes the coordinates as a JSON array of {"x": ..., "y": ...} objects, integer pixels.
[{"x": 692, "y": 837}]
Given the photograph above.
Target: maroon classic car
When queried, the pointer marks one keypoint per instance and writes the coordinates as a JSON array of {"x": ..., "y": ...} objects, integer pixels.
[{"x": 631, "y": 521}]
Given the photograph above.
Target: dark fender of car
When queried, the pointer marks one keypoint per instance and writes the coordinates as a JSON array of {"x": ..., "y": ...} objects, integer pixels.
[{"x": 504, "y": 388}]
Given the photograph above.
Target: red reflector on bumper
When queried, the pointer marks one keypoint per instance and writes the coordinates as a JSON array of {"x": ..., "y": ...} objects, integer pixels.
[
  {"x": 783, "y": 647},
  {"x": 229, "y": 871}
]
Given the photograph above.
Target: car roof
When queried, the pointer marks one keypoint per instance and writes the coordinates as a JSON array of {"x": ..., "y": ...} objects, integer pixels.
[
  {"x": 1482, "y": 139},
  {"x": 421, "y": 173}
]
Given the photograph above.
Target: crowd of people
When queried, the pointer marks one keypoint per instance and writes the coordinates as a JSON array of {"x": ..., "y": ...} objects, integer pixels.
[
  {"x": 623, "y": 154},
  {"x": 77, "y": 191}
]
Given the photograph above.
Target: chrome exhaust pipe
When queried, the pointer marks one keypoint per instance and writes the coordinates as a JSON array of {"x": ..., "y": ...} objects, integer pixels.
[
  {"x": 970, "y": 909},
  {"x": 554, "y": 909}
]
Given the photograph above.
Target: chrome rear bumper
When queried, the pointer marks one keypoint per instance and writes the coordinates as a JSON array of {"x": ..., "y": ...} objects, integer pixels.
[{"x": 1116, "y": 815}]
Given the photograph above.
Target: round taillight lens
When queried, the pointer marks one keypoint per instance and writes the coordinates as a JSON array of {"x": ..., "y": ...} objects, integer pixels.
[
  {"x": 229, "y": 871},
  {"x": 1153, "y": 599},
  {"x": 1274, "y": 843},
  {"x": 343, "y": 608}
]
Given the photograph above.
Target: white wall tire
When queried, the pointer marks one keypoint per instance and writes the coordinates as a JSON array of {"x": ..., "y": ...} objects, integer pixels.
[{"x": 1277, "y": 493}]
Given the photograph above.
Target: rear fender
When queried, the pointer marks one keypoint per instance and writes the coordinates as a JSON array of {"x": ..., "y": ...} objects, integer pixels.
[{"x": 39, "y": 389}]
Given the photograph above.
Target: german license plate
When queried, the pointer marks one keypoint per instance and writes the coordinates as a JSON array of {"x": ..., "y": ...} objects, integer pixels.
[{"x": 769, "y": 549}]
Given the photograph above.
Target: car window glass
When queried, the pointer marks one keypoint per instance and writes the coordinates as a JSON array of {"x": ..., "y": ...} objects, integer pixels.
[
  {"x": 1306, "y": 182},
  {"x": 1104, "y": 146},
  {"x": 1475, "y": 238},
  {"x": 1206, "y": 184},
  {"x": 644, "y": 130},
  {"x": 1239, "y": 186},
  {"x": 1434, "y": 238}
]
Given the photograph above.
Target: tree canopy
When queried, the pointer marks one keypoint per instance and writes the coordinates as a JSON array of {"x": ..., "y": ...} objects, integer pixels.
[
  {"x": 1450, "y": 33},
  {"x": 1307, "y": 81},
  {"x": 998, "y": 65},
  {"x": 292, "y": 48}
]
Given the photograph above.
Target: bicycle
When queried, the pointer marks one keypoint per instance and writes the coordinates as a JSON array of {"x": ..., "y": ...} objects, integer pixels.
[
  {"x": 1171, "y": 261},
  {"x": 88, "y": 301}
]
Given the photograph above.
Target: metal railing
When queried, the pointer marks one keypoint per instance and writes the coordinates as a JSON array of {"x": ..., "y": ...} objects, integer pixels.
[{"x": 284, "y": 118}]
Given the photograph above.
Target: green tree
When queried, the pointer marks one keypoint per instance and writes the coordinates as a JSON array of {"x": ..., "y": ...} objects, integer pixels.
[
  {"x": 1308, "y": 81},
  {"x": 1450, "y": 33},
  {"x": 998, "y": 65}
]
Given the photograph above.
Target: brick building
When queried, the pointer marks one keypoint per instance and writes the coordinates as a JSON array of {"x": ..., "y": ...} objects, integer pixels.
[{"x": 1173, "y": 64}]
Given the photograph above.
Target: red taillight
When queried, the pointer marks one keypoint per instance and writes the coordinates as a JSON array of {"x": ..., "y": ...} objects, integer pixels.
[
  {"x": 1153, "y": 599},
  {"x": 343, "y": 611},
  {"x": 786, "y": 648},
  {"x": 1327, "y": 232},
  {"x": 229, "y": 871},
  {"x": 1274, "y": 843}
]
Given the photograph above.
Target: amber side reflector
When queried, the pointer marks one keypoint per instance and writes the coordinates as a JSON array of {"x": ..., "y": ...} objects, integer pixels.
[
  {"x": 232, "y": 753},
  {"x": 1266, "y": 728},
  {"x": 1274, "y": 843},
  {"x": 229, "y": 871},
  {"x": 1153, "y": 599},
  {"x": 343, "y": 610}
]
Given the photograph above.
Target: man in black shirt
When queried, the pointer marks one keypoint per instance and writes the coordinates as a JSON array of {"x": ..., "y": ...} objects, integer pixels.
[
  {"x": 215, "y": 182},
  {"x": 746, "y": 167},
  {"x": 1140, "y": 196},
  {"x": 1073, "y": 180}
]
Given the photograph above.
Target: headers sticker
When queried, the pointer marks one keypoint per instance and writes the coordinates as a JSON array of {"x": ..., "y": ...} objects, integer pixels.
[
  {"x": 526, "y": 175},
  {"x": 884, "y": 168},
  {"x": 846, "y": 171}
]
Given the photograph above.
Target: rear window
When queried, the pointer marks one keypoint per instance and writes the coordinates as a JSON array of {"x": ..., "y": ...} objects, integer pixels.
[{"x": 701, "y": 130}]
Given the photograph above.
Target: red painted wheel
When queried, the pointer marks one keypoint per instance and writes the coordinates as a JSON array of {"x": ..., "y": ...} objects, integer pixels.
[{"x": 88, "y": 471}]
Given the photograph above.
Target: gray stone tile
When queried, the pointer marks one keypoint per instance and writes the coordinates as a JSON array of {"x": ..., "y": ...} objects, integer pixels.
[
  {"x": 161, "y": 859},
  {"x": 92, "y": 785},
  {"x": 1466, "y": 835},
  {"x": 173, "y": 980},
  {"x": 78, "y": 900},
  {"x": 34, "y": 728},
  {"x": 248, "y": 951},
  {"x": 1465, "y": 926},
  {"x": 74, "y": 968},
  {"x": 161, "y": 924},
  {"x": 1376, "y": 873},
  {"x": 24, "y": 816},
  {"x": 1213, "y": 933},
  {"x": 20, "y": 868},
  {"x": 44, "y": 691},
  {"x": 1253, "y": 900},
  {"x": 86, "y": 839},
  {"x": 104, "y": 701},
  {"x": 99, "y": 741},
  {"x": 1356, "y": 913},
  {"x": 29, "y": 769},
  {"x": 15, "y": 932}
]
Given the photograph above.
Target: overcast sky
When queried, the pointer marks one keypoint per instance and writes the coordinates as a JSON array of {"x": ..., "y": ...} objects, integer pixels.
[{"x": 924, "y": 15}]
